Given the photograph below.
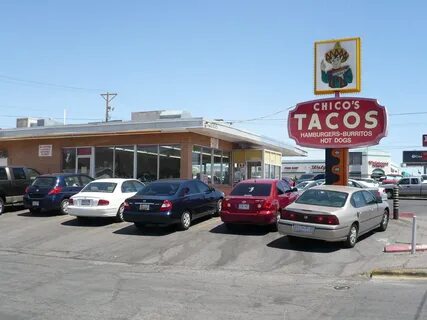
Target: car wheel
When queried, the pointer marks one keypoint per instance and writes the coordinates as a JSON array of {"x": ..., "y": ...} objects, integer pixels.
[
  {"x": 384, "y": 221},
  {"x": 63, "y": 207},
  {"x": 119, "y": 216},
  {"x": 218, "y": 208},
  {"x": 2, "y": 206},
  {"x": 185, "y": 221},
  {"x": 351, "y": 240}
]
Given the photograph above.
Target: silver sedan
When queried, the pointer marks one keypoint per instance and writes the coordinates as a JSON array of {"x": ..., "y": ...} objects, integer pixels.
[{"x": 334, "y": 213}]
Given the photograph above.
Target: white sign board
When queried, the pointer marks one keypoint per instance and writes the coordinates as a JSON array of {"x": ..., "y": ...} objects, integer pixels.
[
  {"x": 214, "y": 143},
  {"x": 45, "y": 150}
]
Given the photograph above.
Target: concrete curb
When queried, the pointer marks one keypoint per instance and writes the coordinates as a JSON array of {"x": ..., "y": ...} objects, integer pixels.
[
  {"x": 403, "y": 273},
  {"x": 404, "y": 247}
]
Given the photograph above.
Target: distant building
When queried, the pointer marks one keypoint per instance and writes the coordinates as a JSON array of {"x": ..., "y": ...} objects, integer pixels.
[{"x": 363, "y": 163}]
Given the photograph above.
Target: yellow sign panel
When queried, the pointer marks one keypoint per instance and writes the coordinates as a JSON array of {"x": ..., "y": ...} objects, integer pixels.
[{"x": 337, "y": 66}]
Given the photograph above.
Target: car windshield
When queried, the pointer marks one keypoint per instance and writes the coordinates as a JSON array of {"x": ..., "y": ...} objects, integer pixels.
[
  {"x": 252, "y": 189},
  {"x": 107, "y": 187},
  {"x": 302, "y": 185},
  {"x": 324, "y": 198},
  {"x": 306, "y": 176},
  {"x": 160, "y": 189},
  {"x": 44, "y": 182}
]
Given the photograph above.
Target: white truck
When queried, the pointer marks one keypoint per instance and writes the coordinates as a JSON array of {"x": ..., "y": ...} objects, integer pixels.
[{"x": 408, "y": 186}]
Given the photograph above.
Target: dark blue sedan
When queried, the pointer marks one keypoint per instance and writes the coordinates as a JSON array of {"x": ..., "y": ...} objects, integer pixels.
[
  {"x": 51, "y": 192},
  {"x": 167, "y": 202}
]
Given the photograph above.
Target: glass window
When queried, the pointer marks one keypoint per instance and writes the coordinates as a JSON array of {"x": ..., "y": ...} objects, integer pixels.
[
  {"x": 72, "y": 181},
  {"x": 147, "y": 163},
  {"x": 324, "y": 198},
  {"x": 170, "y": 161},
  {"x": 192, "y": 188},
  {"x": 217, "y": 168},
  {"x": 369, "y": 197},
  {"x": 252, "y": 189},
  {"x": 357, "y": 200},
  {"x": 138, "y": 185},
  {"x": 404, "y": 181},
  {"x": 280, "y": 188},
  {"x": 19, "y": 173},
  {"x": 160, "y": 189},
  {"x": 196, "y": 161},
  {"x": 69, "y": 160},
  {"x": 206, "y": 175},
  {"x": 266, "y": 171},
  {"x": 97, "y": 186},
  {"x": 225, "y": 179},
  {"x": 128, "y": 187},
  {"x": 203, "y": 188},
  {"x": 3, "y": 174},
  {"x": 104, "y": 162},
  {"x": 32, "y": 174},
  {"x": 415, "y": 181},
  {"x": 355, "y": 158},
  {"x": 45, "y": 182},
  {"x": 84, "y": 180},
  {"x": 123, "y": 161}
]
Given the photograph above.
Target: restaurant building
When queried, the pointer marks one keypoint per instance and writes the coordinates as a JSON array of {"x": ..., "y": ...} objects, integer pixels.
[{"x": 153, "y": 145}]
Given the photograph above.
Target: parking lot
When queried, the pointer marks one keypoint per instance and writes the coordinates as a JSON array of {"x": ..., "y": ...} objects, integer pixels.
[{"x": 54, "y": 267}]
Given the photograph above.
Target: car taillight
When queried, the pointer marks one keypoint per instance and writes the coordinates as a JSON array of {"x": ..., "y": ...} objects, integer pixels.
[
  {"x": 265, "y": 205},
  {"x": 226, "y": 203},
  {"x": 288, "y": 215},
  {"x": 103, "y": 202},
  {"x": 70, "y": 202},
  {"x": 166, "y": 206},
  {"x": 326, "y": 219},
  {"x": 55, "y": 190}
]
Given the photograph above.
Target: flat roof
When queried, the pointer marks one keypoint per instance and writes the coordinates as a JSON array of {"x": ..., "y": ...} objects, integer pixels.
[{"x": 197, "y": 125}]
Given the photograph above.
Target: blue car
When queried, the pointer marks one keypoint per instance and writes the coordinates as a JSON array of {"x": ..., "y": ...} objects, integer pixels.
[
  {"x": 51, "y": 192},
  {"x": 167, "y": 202}
]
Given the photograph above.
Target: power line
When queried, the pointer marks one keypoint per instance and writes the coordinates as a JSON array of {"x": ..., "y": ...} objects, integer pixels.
[{"x": 14, "y": 80}]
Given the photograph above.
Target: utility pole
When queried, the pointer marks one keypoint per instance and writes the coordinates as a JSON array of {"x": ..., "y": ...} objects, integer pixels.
[{"x": 108, "y": 97}]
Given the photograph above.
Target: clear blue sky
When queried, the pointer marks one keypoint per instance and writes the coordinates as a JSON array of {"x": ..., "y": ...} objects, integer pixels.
[{"x": 219, "y": 59}]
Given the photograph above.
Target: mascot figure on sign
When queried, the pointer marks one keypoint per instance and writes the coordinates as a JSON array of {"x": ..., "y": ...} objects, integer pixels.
[{"x": 339, "y": 76}]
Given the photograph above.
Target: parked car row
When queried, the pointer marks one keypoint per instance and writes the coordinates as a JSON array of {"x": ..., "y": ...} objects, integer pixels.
[{"x": 330, "y": 213}]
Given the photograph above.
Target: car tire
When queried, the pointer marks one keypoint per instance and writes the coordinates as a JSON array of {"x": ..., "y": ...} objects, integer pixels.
[
  {"x": 353, "y": 233},
  {"x": 218, "y": 208},
  {"x": 63, "y": 207},
  {"x": 185, "y": 221},
  {"x": 119, "y": 216},
  {"x": 384, "y": 221},
  {"x": 2, "y": 206}
]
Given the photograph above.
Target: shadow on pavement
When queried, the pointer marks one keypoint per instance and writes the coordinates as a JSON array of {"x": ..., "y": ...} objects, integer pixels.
[
  {"x": 244, "y": 230},
  {"x": 88, "y": 222},
  {"x": 149, "y": 230},
  {"x": 306, "y": 245},
  {"x": 39, "y": 214}
]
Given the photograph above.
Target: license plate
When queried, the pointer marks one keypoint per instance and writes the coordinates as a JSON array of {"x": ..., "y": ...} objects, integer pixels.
[
  {"x": 85, "y": 202},
  {"x": 244, "y": 206},
  {"x": 36, "y": 203},
  {"x": 144, "y": 207},
  {"x": 302, "y": 229}
]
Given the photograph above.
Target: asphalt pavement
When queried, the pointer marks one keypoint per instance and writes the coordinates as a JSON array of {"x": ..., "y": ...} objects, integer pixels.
[{"x": 52, "y": 267}]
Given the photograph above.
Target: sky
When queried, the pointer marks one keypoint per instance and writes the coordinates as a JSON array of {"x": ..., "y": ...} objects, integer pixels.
[{"x": 233, "y": 60}]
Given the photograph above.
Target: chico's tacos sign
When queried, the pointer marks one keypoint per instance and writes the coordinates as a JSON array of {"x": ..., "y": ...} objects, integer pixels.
[{"x": 338, "y": 123}]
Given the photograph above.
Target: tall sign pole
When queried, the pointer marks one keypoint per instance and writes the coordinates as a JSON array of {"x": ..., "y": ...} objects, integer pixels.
[
  {"x": 338, "y": 123},
  {"x": 108, "y": 97}
]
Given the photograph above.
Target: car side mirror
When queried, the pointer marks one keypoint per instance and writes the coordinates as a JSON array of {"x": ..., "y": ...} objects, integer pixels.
[{"x": 211, "y": 189}]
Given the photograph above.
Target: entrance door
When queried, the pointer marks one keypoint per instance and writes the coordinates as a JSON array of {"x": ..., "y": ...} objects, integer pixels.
[
  {"x": 83, "y": 165},
  {"x": 254, "y": 169}
]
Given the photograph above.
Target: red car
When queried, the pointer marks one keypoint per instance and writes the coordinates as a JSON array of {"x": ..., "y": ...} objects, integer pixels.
[{"x": 257, "y": 202}]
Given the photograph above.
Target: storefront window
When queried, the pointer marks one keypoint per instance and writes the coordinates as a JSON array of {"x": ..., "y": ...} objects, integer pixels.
[
  {"x": 225, "y": 168},
  {"x": 147, "y": 163},
  {"x": 206, "y": 175},
  {"x": 196, "y": 162},
  {"x": 170, "y": 161},
  {"x": 217, "y": 168},
  {"x": 123, "y": 161},
  {"x": 104, "y": 162},
  {"x": 69, "y": 160}
]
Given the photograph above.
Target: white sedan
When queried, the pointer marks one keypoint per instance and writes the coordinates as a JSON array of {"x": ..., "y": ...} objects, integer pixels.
[{"x": 103, "y": 198}]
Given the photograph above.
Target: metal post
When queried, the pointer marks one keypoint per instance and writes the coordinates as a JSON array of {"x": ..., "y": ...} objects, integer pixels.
[
  {"x": 395, "y": 202},
  {"x": 414, "y": 235}
]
